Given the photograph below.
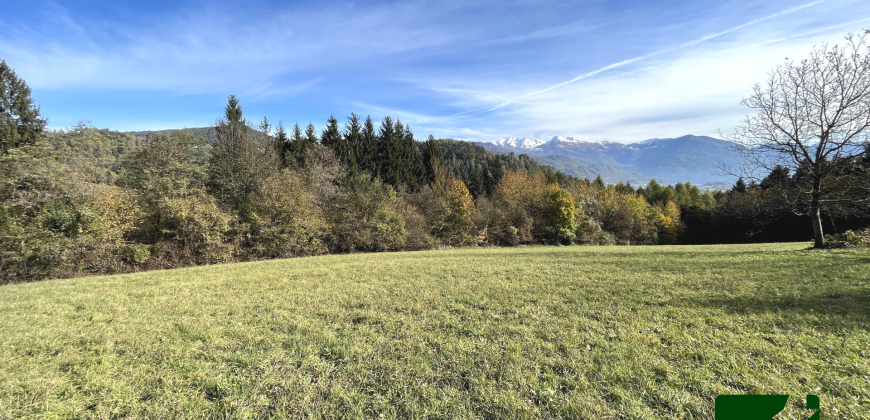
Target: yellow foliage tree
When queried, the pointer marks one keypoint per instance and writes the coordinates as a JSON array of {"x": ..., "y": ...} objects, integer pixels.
[
  {"x": 118, "y": 210},
  {"x": 668, "y": 223},
  {"x": 626, "y": 215},
  {"x": 559, "y": 208},
  {"x": 457, "y": 224}
]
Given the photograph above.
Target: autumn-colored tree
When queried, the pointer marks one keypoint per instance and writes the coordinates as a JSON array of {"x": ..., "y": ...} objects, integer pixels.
[
  {"x": 668, "y": 223},
  {"x": 561, "y": 213},
  {"x": 515, "y": 215},
  {"x": 448, "y": 208},
  {"x": 627, "y": 215}
]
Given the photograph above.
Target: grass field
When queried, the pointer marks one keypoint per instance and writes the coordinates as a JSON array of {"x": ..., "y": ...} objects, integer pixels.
[{"x": 542, "y": 332}]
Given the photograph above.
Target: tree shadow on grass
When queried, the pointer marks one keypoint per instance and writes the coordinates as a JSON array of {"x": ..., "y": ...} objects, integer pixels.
[{"x": 831, "y": 309}]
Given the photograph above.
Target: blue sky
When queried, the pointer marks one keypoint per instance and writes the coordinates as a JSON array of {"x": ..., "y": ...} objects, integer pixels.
[{"x": 476, "y": 70}]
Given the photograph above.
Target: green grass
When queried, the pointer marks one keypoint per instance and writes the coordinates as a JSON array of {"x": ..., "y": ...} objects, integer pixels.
[{"x": 542, "y": 332}]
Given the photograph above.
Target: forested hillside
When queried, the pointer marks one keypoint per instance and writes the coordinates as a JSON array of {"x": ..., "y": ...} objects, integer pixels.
[
  {"x": 94, "y": 201},
  {"x": 584, "y": 169},
  {"x": 89, "y": 201}
]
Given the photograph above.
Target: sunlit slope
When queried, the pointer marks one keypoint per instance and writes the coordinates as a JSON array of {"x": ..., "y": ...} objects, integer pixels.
[{"x": 578, "y": 332}]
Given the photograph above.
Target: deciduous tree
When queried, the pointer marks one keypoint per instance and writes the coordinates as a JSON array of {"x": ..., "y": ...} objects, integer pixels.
[{"x": 812, "y": 118}]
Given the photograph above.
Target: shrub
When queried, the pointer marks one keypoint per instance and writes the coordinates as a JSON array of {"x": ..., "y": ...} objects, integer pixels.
[
  {"x": 199, "y": 226},
  {"x": 286, "y": 222},
  {"x": 137, "y": 254},
  {"x": 365, "y": 217},
  {"x": 860, "y": 238},
  {"x": 416, "y": 229}
]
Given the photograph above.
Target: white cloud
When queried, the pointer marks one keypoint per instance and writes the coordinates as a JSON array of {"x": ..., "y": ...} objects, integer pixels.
[
  {"x": 696, "y": 89},
  {"x": 202, "y": 51},
  {"x": 454, "y": 68},
  {"x": 655, "y": 53}
]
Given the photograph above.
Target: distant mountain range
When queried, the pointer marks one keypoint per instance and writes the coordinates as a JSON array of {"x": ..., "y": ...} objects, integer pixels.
[{"x": 687, "y": 158}]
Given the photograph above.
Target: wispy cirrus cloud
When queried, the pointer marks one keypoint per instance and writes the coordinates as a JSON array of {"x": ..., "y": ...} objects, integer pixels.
[
  {"x": 652, "y": 54},
  {"x": 469, "y": 69}
]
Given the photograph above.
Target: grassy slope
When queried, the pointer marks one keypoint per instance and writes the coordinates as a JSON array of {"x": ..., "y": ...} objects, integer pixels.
[{"x": 591, "y": 332}]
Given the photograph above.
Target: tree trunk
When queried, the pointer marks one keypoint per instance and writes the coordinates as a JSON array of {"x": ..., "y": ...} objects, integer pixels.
[
  {"x": 815, "y": 211},
  {"x": 818, "y": 236}
]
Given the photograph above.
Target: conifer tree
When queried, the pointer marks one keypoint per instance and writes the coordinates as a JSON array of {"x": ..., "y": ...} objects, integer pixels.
[
  {"x": 297, "y": 143},
  {"x": 739, "y": 186},
  {"x": 487, "y": 181},
  {"x": 353, "y": 139},
  {"x": 367, "y": 152},
  {"x": 240, "y": 161},
  {"x": 302, "y": 143},
  {"x": 331, "y": 137},
  {"x": 265, "y": 127},
  {"x": 399, "y": 156},
  {"x": 431, "y": 158},
  {"x": 599, "y": 183},
  {"x": 387, "y": 154},
  {"x": 233, "y": 110},
  {"x": 498, "y": 171},
  {"x": 414, "y": 172},
  {"x": 475, "y": 181},
  {"x": 20, "y": 122},
  {"x": 310, "y": 134},
  {"x": 282, "y": 144}
]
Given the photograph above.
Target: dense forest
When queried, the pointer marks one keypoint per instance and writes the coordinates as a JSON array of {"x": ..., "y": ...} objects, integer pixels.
[{"x": 94, "y": 201}]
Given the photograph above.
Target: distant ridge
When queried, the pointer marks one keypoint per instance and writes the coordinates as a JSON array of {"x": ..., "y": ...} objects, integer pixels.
[
  {"x": 687, "y": 158},
  {"x": 583, "y": 169}
]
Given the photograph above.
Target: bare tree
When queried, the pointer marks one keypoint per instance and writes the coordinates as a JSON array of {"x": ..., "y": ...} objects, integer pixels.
[{"x": 813, "y": 118}]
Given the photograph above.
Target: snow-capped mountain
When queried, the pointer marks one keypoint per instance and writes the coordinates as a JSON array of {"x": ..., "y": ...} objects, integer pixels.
[
  {"x": 687, "y": 158},
  {"x": 575, "y": 140},
  {"x": 524, "y": 143}
]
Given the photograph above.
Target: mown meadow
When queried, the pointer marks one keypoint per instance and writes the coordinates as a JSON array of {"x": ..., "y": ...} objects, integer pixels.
[{"x": 534, "y": 332}]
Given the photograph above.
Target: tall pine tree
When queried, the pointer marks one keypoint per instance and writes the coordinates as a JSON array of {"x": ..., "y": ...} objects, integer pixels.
[
  {"x": 20, "y": 122},
  {"x": 295, "y": 147},
  {"x": 240, "y": 160},
  {"x": 475, "y": 181},
  {"x": 367, "y": 152},
  {"x": 415, "y": 172},
  {"x": 387, "y": 152},
  {"x": 432, "y": 157},
  {"x": 310, "y": 134},
  {"x": 302, "y": 143},
  {"x": 353, "y": 139},
  {"x": 498, "y": 170},
  {"x": 282, "y": 144},
  {"x": 331, "y": 137}
]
